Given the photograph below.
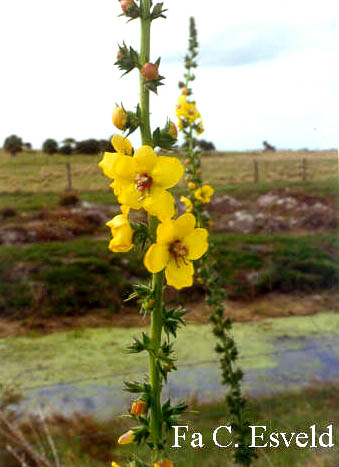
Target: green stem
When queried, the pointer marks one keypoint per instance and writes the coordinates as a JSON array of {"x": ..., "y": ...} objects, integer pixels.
[
  {"x": 155, "y": 381},
  {"x": 145, "y": 47},
  {"x": 157, "y": 279}
]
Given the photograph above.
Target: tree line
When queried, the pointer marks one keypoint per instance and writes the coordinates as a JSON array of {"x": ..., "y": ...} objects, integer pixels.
[{"x": 14, "y": 144}]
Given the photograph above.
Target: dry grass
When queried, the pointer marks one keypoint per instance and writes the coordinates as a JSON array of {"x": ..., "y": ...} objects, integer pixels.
[{"x": 38, "y": 172}]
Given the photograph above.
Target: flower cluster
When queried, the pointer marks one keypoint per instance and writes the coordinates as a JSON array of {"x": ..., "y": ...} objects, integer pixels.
[
  {"x": 197, "y": 197},
  {"x": 188, "y": 115},
  {"x": 141, "y": 179}
]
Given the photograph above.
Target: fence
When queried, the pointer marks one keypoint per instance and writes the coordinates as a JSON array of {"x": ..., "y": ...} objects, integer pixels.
[{"x": 42, "y": 173}]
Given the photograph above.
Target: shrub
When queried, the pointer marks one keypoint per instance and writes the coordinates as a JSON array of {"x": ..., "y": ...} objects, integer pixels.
[
  {"x": 66, "y": 150},
  {"x": 88, "y": 146},
  {"x": 13, "y": 144},
  {"x": 50, "y": 146},
  {"x": 69, "y": 199}
]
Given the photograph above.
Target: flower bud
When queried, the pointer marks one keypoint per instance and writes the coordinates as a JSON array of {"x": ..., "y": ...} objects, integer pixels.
[
  {"x": 122, "y": 234},
  {"x": 126, "y": 438},
  {"x": 173, "y": 132},
  {"x": 118, "y": 55},
  {"x": 150, "y": 71},
  {"x": 125, "y": 4},
  {"x": 138, "y": 408},
  {"x": 168, "y": 366},
  {"x": 119, "y": 118},
  {"x": 150, "y": 304},
  {"x": 192, "y": 185},
  {"x": 187, "y": 161},
  {"x": 164, "y": 463},
  {"x": 184, "y": 91},
  {"x": 114, "y": 464}
]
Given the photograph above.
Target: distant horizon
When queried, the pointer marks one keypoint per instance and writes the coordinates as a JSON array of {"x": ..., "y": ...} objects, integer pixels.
[{"x": 302, "y": 148}]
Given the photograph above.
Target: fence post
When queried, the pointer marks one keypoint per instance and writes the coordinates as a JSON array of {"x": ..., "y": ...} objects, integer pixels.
[
  {"x": 304, "y": 170},
  {"x": 69, "y": 177},
  {"x": 256, "y": 171}
]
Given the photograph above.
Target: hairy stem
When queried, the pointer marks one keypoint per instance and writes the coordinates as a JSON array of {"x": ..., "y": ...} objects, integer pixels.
[
  {"x": 158, "y": 279},
  {"x": 145, "y": 46}
]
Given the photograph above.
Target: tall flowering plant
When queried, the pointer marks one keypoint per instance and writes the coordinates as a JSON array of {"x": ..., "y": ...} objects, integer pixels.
[
  {"x": 141, "y": 180},
  {"x": 198, "y": 197}
]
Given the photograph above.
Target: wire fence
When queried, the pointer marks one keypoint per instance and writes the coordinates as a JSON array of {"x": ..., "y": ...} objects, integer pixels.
[{"x": 41, "y": 173}]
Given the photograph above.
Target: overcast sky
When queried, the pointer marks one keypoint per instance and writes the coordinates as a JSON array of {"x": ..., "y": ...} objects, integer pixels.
[{"x": 267, "y": 69}]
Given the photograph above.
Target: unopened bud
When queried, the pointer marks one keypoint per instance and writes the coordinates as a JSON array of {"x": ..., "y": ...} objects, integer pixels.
[
  {"x": 192, "y": 185},
  {"x": 164, "y": 463},
  {"x": 125, "y": 4},
  {"x": 119, "y": 118},
  {"x": 126, "y": 438},
  {"x": 187, "y": 161},
  {"x": 118, "y": 55},
  {"x": 184, "y": 91},
  {"x": 168, "y": 366},
  {"x": 138, "y": 407},
  {"x": 173, "y": 132},
  {"x": 150, "y": 71}
]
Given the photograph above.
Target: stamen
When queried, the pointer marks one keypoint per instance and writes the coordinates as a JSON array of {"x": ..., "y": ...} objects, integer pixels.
[
  {"x": 179, "y": 251},
  {"x": 143, "y": 183}
]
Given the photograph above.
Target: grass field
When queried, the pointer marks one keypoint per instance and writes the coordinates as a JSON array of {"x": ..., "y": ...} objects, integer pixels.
[{"x": 38, "y": 172}]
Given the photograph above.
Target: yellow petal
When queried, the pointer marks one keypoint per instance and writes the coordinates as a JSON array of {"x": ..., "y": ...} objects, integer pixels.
[
  {"x": 129, "y": 196},
  {"x": 125, "y": 209},
  {"x": 122, "y": 145},
  {"x": 179, "y": 275},
  {"x": 124, "y": 167},
  {"x": 117, "y": 221},
  {"x": 196, "y": 243},
  {"x": 159, "y": 203},
  {"x": 167, "y": 171},
  {"x": 187, "y": 202},
  {"x": 145, "y": 159},
  {"x": 184, "y": 225},
  {"x": 107, "y": 164},
  {"x": 156, "y": 258},
  {"x": 166, "y": 232},
  {"x": 119, "y": 245}
]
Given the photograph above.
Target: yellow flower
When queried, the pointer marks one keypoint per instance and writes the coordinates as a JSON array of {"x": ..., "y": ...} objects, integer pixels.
[
  {"x": 114, "y": 464},
  {"x": 119, "y": 118},
  {"x": 192, "y": 185},
  {"x": 187, "y": 202},
  {"x": 181, "y": 107},
  {"x": 126, "y": 438},
  {"x": 164, "y": 463},
  {"x": 180, "y": 124},
  {"x": 178, "y": 243},
  {"x": 187, "y": 110},
  {"x": 204, "y": 193},
  {"x": 200, "y": 128},
  {"x": 122, "y": 232},
  {"x": 192, "y": 113},
  {"x": 141, "y": 181}
]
